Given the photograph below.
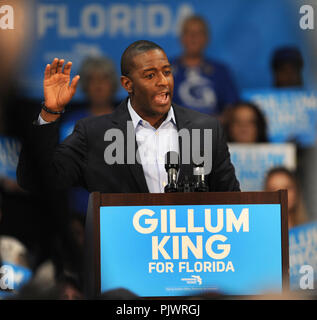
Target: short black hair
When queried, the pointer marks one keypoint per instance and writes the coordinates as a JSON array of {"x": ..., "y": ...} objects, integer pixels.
[
  {"x": 196, "y": 18},
  {"x": 133, "y": 50},
  {"x": 286, "y": 55}
]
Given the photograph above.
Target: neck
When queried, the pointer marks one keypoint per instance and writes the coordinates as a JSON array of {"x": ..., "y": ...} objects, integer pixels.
[
  {"x": 155, "y": 120},
  {"x": 158, "y": 121}
]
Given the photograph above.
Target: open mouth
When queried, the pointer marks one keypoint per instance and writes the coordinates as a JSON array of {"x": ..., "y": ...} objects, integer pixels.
[{"x": 162, "y": 98}]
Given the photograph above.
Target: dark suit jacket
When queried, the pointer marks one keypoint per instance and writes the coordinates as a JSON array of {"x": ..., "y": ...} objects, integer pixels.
[{"x": 79, "y": 159}]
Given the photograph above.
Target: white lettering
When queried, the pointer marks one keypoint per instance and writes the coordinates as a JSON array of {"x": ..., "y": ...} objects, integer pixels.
[
  {"x": 44, "y": 20},
  {"x": 191, "y": 224},
  {"x": 65, "y": 30},
  {"x": 120, "y": 20},
  {"x": 208, "y": 225},
  {"x": 197, "y": 250},
  {"x": 169, "y": 223},
  {"x": 224, "y": 247},
  {"x": 159, "y": 247},
  {"x": 307, "y": 20},
  {"x": 242, "y": 220},
  {"x": 6, "y": 277},
  {"x": 175, "y": 247},
  {"x": 307, "y": 280},
  {"x": 155, "y": 13},
  {"x": 152, "y": 222},
  {"x": 173, "y": 227},
  {"x": 97, "y": 20},
  {"x": 7, "y": 20},
  {"x": 96, "y": 12}
]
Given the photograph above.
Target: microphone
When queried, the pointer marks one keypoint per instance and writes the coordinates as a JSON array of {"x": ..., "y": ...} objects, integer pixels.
[
  {"x": 171, "y": 167},
  {"x": 200, "y": 184}
]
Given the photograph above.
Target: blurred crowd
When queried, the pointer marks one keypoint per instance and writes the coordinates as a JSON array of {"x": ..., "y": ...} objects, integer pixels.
[{"x": 45, "y": 236}]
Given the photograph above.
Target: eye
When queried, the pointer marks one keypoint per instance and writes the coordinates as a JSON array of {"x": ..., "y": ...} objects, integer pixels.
[
  {"x": 167, "y": 72},
  {"x": 149, "y": 76}
]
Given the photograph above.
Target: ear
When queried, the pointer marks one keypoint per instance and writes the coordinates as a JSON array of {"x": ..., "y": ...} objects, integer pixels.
[{"x": 127, "y": 84}]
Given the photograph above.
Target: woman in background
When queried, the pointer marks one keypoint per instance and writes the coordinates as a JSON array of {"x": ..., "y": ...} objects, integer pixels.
[
  {"x": 282, "y": 178},
  {"x": 245, "y": 123},
  {"x": 99, "y": 81}
]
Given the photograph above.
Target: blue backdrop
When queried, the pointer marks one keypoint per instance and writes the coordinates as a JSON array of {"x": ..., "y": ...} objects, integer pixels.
[{"x": 243, "y": 33}]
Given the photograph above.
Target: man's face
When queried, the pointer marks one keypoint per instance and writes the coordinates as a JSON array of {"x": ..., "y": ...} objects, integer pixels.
[
  {"x": 288, "y": 75},
  {"x": 151, "y": 84},
  {"x": 194, "y": 37}
]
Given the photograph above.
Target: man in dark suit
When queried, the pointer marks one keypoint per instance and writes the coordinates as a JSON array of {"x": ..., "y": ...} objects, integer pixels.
[{"x": 83, "y": 158}]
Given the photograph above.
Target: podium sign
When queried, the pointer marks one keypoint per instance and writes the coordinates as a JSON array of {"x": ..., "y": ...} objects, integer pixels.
[{"x": 182, "y": 248}]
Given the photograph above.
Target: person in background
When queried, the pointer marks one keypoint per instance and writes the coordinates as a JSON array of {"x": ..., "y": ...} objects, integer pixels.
[
  {"x": 287, "y": 65},
  {"x": 245, "y": 123},
  {"x": 282, "y": 178},
  {"x": 99, "y": 82},
  {"x": 69, "y": 289},
  {"x": 200, "y": 83}
]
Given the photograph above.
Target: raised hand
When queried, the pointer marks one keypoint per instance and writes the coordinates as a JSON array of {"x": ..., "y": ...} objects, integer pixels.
[{"x": 57, "y": 90}]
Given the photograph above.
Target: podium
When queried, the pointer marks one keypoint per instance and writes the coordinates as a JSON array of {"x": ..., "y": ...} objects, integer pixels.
[{"x": 176, "y": 244}]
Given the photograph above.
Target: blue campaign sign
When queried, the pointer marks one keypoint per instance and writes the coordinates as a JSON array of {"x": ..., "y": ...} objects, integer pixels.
[
  {"x": 302, "y": 253},
  {"x": 9, "y": 155},
  {"x": 291, "y": 114},
  {"x": 253, "y": 161},
  {"x": 185, "y": 250}
]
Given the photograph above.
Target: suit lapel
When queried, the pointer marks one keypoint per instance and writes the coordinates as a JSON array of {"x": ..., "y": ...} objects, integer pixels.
[{"x": 120, "y": 117}]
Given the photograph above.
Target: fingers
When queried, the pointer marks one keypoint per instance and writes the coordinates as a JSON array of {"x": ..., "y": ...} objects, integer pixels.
[
  {"x": 60, "y": 66},
  {"x": 54, "y": 66},
  {"x": 57, "y": 67},
  {"x": 74, "y": 83},
  {"x": 68, "y": 67},
  {"x": 47, "y": 72}
]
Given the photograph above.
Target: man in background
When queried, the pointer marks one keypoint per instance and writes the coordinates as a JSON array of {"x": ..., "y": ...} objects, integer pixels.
[
  {"x": 201, "y": 84},
  {"x": 287, "y": 66}
]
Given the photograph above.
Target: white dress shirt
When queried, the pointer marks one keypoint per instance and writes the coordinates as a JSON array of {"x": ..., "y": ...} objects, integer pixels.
[{"x": 153, "y": 144}]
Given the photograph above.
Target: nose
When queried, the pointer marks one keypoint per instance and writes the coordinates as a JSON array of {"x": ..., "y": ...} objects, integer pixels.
[{"x": 162, "y": 81}]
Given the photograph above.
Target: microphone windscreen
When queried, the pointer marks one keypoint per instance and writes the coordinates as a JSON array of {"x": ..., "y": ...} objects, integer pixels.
[{"x": 171, "y": 160}]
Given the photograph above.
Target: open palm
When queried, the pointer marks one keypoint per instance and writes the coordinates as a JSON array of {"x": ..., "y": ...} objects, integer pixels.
[{"x": 57, "y": 90}]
